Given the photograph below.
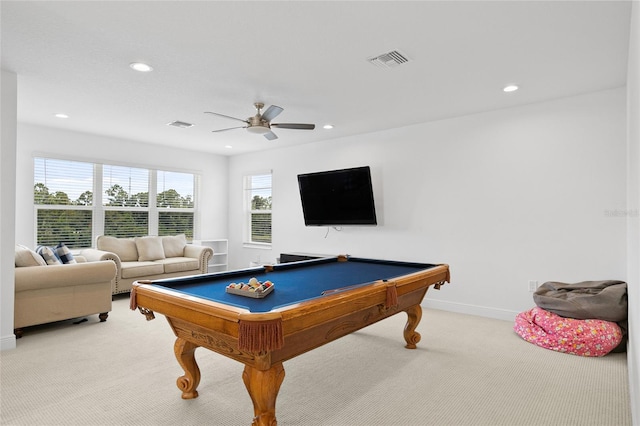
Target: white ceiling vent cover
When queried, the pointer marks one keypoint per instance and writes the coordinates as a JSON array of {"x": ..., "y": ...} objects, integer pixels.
[
  {"x": 389, "y": 60},
  {"x": 180, "y": 124}
]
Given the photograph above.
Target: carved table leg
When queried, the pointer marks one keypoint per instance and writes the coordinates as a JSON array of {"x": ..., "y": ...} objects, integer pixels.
[
  {"x": 185, "y": 355},
  {"x": 263, "y": 387},
  {"x": 411, "y": 336}
]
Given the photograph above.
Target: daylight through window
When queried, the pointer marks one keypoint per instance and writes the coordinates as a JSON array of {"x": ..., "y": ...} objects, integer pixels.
[
  {"x": 77, "y": 201},
  {"x": 258, "y": 201}
]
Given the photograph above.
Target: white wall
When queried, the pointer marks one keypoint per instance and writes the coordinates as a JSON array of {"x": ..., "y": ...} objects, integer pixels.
[
  {"x": 82, "y": 146},
  {"x": 504, "y": 197},
  {"x": 633, "y": 206},
  {"x": 8, "y": 119}
]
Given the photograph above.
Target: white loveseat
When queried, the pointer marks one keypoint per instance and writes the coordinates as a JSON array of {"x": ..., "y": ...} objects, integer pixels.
[
  {"x": 47, "y": 293},
  {"x": 149, "y": 258}
]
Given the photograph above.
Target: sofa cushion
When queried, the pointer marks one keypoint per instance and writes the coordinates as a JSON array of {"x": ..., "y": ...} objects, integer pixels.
[
  {"x": 141, "y": 269},
  {"x": 149, "y": 248},
  {"x": 27, "y": 257},
  {"x": 64, "y": 254},
  {"x": 179, "y": 264},
  {"x": 48, "y": 255},
  {"x": 174, "y": 245},
  {"x": 125, "y": 248}
]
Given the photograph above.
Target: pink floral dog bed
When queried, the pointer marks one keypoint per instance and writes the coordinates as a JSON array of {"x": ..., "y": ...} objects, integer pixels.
[{"x": 588, "y": 337}]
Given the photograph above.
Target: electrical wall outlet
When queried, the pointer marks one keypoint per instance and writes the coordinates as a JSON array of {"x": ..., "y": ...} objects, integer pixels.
[{"x": 533, "y": 286}]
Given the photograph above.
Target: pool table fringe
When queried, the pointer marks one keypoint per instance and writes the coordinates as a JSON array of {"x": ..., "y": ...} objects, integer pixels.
[
  {"x": 260, "y": 336},
  {"x": 133, "y": 303}
]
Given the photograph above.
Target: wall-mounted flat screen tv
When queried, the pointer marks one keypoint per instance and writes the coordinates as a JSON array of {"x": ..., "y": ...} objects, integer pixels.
[{"x": 337, "y": 197}]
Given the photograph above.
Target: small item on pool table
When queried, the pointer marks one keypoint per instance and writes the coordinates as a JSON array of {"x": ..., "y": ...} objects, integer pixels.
[{"x": 254, "y": 289}]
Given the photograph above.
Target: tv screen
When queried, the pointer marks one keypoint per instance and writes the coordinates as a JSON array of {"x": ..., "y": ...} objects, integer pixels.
[{"x": 337, "y": 197}]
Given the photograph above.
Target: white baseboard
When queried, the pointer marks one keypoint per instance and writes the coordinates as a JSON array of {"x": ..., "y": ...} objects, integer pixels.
[
  {"x": 8, "y": 342},
  {"x": 462, "y": 308}
]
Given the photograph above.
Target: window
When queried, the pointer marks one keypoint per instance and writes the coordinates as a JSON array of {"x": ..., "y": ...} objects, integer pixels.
[
  {"x": 126, "y": 201},
  {"x": 174, "y": 200},
  {"x": 63, "y": 199},
  {"x": 258, "y": 201},
  {"x": 73, "y": 200}
]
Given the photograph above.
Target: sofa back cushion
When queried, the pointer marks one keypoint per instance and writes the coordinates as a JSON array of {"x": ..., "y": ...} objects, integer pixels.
[
  {"x": 149, "y": 248},
  {"x": 125, "y": 248},
  {"x": 27, "y": 257},
  {"x": 174, "y": 245}
]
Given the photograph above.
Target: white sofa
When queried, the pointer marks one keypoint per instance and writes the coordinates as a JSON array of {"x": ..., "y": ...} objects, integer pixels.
[
  {"x": 149, "y": 258},
  {"x": 47, "y": 293}
]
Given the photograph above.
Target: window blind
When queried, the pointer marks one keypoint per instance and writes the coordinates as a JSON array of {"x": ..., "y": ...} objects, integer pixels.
[
  {"x": 63, "y": 197},
  {"x": 259, "y": 201},
  {"x": 65, "y": 203},
  {"x": 125, "y": 186}
]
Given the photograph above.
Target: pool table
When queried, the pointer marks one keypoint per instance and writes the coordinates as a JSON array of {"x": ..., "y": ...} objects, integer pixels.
[{"x": 312, "y": 303}]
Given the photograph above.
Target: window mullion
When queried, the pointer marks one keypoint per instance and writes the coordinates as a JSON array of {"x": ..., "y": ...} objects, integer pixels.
[
  {"x": 153, "y": 202},
  {"x": 98, "y": 208}
]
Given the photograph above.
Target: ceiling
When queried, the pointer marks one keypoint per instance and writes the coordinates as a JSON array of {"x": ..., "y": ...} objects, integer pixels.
[{"x": 309, "y": 57}]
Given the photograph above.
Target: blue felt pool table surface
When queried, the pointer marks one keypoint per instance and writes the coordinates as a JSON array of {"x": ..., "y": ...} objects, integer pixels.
[{"x": 293, "y": 282}]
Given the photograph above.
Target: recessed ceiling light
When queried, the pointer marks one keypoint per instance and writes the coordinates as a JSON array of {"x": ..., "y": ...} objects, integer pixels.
[
  {"x": 139, "y": 66},
  {"x": 510, "y": 88},
  {"x": 328, "y": 126},
  {"x": 228, "y": 146},
  {"x": 61, "y": 115}
]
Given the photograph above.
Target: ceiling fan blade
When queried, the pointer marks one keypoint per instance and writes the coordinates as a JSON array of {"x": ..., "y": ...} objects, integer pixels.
[
  {"x": 229, "y": 128},
  {"x": 271, "y": 136},
  {"x": 226, "y": 116},
  {"x": 298, "y": 126},
  {"x": 271, "y": 113}
]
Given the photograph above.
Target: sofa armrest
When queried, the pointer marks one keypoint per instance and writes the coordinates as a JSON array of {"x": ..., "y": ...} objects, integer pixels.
[
  {"x": 52, "y": 276},
  {"x": 94, "y": 255},
  {"x": 202, "y": 253}
]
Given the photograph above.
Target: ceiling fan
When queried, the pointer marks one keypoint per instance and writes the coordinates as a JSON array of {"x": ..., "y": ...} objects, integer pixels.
[{"x": 261, "y": 122}]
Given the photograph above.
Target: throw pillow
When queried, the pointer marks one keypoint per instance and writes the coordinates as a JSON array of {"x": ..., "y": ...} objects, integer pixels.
[
  {"x": 27, "y": 257},
  {"x": 174, "y": 245},
  {"x": 149, "y": 248},
  {"x": 64, "y": 254},
  {"x": 48, "y": 255}
]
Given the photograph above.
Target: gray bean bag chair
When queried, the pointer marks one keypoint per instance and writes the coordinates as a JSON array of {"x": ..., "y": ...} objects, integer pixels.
[{"x": 603, "y": 300}]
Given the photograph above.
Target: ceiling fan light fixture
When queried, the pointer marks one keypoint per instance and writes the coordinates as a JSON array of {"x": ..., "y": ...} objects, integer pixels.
[{"x": 258, "y": 129}]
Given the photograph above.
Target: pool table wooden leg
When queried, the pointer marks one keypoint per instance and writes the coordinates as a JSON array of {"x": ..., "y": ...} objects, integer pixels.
[
  {"x": 411, "y": 336},
  {"x": 263, "y": 387},
  {"x": 185, "y": 354}
]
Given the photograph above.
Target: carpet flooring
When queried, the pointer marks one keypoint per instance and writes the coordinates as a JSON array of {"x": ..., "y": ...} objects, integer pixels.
[{"x": 467, "y": 370}]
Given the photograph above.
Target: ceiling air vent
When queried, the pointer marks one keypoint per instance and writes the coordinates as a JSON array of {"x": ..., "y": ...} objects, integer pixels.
[
  {"x": 389, "y": 60},
  {"x": 181, "y": 124}
]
